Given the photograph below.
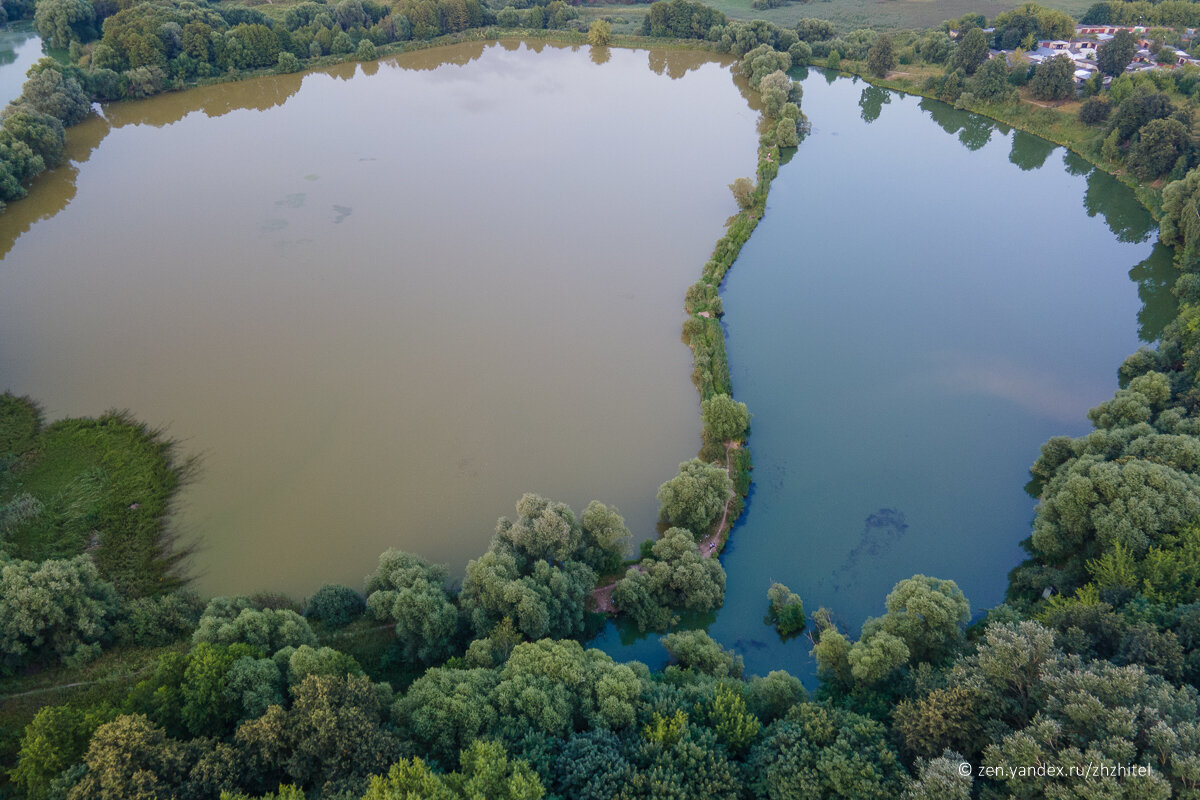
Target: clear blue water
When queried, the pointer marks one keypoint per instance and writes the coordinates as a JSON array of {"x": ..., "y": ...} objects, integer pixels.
[{"x": 928, "y": 298}]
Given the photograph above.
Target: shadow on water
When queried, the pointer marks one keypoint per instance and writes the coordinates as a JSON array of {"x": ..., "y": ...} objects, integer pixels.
[
  {"x": 871, "y": 103},
  {"x": 1030, "y": 152}
]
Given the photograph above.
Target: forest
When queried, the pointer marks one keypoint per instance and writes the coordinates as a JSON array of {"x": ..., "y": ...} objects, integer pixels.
[{"x": 421, "y": 687}]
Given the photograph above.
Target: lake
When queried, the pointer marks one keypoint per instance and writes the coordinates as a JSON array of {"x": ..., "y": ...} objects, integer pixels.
[
  {"x": 382, "y": 301},
  {"x": 928, "y": 298},
  {"x": 20, "y": 48}
]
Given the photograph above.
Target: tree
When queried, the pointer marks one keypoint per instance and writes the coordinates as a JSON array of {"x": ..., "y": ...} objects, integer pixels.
[
  {"x": 334, "y": 604},
  {"x": 1053, "y": 79},
  {"x": 486, "y": 772},
  {"x": 600, "y": 33},
  {"x": 412, "y": 593},
  {"x": 773, "y": 696},
  {"x": 55, "y": 611},
  {"x": 131, "y": 758},
  {"x": 1094, "y": 111},
  {"x": 817, "y": 751},
  {"x": 53, "y": 741},
  {"x": 785, "y": 610},
  {"x": 230, "y": 620},
  {"x": 209, "y": 705},
  {"x": 542, "y": 599},
  {"x": 876, "y": 657},
  {"x": 323, "y": 661},
  {"x": 762, "y": 61},
  {"x": 1114, "y": 55},
  {"x": 928, "y": 614},
  {"x": 734, "y": 725},
  {"x": 881, "y": 58},
  {"x": 743, "y": 189},
  {"x": 724, "y": 418},
  {"x": 940, "y": 779},
  {"x": 1180, "y": 223},
  {"x": 675, "y": 577},
  {"x": 696, "y": 650},
  {"x": 776, "y": 90},
  {"x": 42, "y": 133},
  {"x": 334, "y": 732},
  {"x": 604, "y": 539},
  {"x": 972, "y": 50},
  {"x": 49, "y": 92},
  {"x": 558, "y": 687},
  {"x": 1159, "y": 144},
  {"x": 446, "y": 709},
  {"x": 61, "y": 22},
  {"x": 990, "y": 82},
  {"x": 695, "y": 497},
  {"x": 366, "y": 51}
]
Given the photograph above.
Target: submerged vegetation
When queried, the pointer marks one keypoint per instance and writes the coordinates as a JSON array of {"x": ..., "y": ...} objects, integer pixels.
[{"x": 422, "y": 689}]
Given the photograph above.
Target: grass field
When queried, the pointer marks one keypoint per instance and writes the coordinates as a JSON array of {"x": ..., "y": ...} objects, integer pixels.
[
  {"x": 103, "y": 485},
  {"x": 848, "y": 15}
]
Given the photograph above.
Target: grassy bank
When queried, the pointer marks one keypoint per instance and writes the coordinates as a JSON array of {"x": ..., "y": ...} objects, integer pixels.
[{"x": 101, "y": 485}]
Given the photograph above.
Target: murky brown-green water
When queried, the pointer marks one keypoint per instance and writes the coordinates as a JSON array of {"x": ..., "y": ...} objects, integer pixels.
[{"x": 383, "y": 301}]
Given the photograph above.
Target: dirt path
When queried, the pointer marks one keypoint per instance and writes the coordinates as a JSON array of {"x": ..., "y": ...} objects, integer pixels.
[{"x": 709, "y": 546}]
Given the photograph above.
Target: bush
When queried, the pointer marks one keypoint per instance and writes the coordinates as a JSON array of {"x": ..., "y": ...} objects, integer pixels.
[
  {"x": 1094, "y": 111},
  {"x": 288, "y": 63},
  {"x": 366, "y": 51},
  {"x": 335, "y": 605},
  {"x": 159, "y": 620}
]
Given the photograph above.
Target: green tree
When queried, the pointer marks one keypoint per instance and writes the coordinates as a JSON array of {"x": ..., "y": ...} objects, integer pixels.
[
  {"x": 928, "y": 614},
  {"x": 50, "y": 92},
  {"x": 734, "y": 725},
  {"x": 743, "y": 190},
  {"x": 53, "y": 741},
  {"x": 61, "y": 22},
  {"x": 676, "y": 577},
  {"x": 287, "y": 64},
  {"x": 209, "y": 706},
  {"x": 42, "y": 133},
  {"x": 131, "y": 759},
  {"x": 230, "y": 620},
  {"x": 991, "y": 82},
  {"x": 1053, "y": 79},
  {"x": 695, "y": 497},
  {"x": 696, "y": 650},
  {"x": 785, "y": 610},
  {"x": 508, "y": 18},
  {"x": 724, "y": 418},
  {"x": 1114, "y": 55},
  {"x": 446, "y": 709},
  {"x": 600, "y": 33},
  {"x": 334, "y": 604},
  {"x": 322, "y": 661},
  {"x": 1159, "y": 144},
  {"x": 55, "y": 611},
  {"x": 972, "y": 50},
  {"x": 823, "y": 752},
  {"x": 604, "y": 538},
  {"x": 877, "y": 657},
  {"x": 558, "y": 687},
  {"x": 940, "y": 779},
  {"x": 1180, "y": 223},
  {"x": 412, "y": 593},
  {"x": 335, "y": 732},
  {"x": 881, "y": 57}
]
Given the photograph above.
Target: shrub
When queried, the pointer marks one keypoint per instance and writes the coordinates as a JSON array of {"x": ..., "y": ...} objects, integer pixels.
[{"x": 335, "y": 605}]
